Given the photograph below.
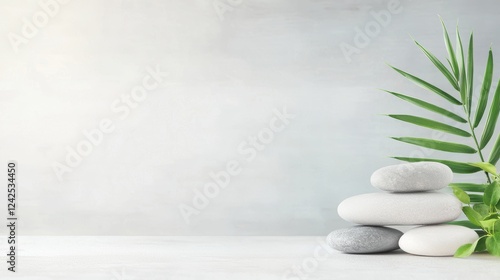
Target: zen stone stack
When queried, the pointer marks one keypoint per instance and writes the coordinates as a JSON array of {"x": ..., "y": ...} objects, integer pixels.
[{"x": 410, "y": 197}]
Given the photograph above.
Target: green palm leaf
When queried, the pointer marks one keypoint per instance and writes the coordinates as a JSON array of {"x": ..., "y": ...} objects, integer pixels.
[
  {"x": 470, "y": 72},
  {"x": 428, "y": 86},
  {"x": 456, "y": 167},
  {"x": 476, "y": 198},
  {"x": 429, "y": 106},
  {"x": 431, "y": 124},
  {"x": 451, "y": 66},
  {"x": 452, "y": 59},
  {"x": 437, "y": 145},
  {"x": 491, "y": 121},
  {"x": 485, "y": 90},
  {"x": 440, "y": 66},
  {"x": 461, "y": 68},
  {"x": 465, "y": 224},
  {"x": 469, "y": 187},
  {"x": 495, "y": 152}
]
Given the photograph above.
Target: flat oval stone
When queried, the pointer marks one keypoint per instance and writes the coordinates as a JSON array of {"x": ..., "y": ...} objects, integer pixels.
[
  {"x": 437, "y": 240},
  {"x": 364, "y": 239},
  {"x": 412, "y": 177},
  {"x": 383, "y": 209}
]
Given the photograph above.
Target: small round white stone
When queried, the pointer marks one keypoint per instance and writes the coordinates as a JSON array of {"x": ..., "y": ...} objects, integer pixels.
[
  {"x": 436, "y": 240},
  {"x": 364, "y": 239},
  {"x": 412, "y": 177},
  {"x": 384, "y": 209}
]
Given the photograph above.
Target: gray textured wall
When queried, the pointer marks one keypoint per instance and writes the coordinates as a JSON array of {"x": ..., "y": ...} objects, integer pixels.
[{"x": 231, "y": 64}]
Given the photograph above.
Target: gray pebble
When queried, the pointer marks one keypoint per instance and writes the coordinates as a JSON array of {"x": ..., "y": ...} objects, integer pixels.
[
  {"x": 364, "y": 239},
  {"x": 412, "y": 177}
]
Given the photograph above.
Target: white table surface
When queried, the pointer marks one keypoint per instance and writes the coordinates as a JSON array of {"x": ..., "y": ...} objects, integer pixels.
[{"x": 251, "y": 257}]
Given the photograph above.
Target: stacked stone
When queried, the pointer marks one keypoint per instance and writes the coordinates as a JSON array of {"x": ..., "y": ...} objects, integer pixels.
[{"x": 410, "y": 198}]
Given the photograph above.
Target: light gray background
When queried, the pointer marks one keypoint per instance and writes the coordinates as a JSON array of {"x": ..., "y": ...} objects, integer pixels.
[{"x": 227, "y": 76}]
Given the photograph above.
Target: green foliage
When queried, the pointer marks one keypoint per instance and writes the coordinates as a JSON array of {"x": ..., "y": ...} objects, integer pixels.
[
  {"x": 430, "y": 107},
  {"x": 486, "y": 166},
  {"x": 484, "y": 214},
  {"x": 482, "y": 199},
  {"x": 473, "y": 216},
  {"x": 493, "y": 244},
  {"x": 431, "y": 124},
  {"x": 492, "y": 118},
  {"x": 437, "y": 145},
  {"x": 492, "y": 194},
  {"x": 482, "y": 209},
  {"x": 470, "y": 187},
  {"x": 485, "y": 90},
  {"x": 461, "y": 195},
  {"x": 467, "y": 249}
]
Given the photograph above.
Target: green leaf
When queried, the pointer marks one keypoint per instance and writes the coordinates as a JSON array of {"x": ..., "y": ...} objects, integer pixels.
[
  {"x": 466, "y": 249},
  {"x": 492, "y": 194},
  {"x": 493, "y": 244},
  {"x": 463, "y": 86},
  {"x": 481, "y": 244},
  {"x": 496, "y": 227},
  {"x": 429, "y": 106},
  {"x": 488, "y": 225},
  {"x": 464, "y": 223},
  {"x": 428, "y": 86},
  {"x": 491, "y": 121},
  {"x": 449, "y": 48},
  {"x": 492, "y": 216},
  {"x": 491, "y": 225},
  {"x": 485, "y": 90},
  {"x": 469, "y": 187},
  {"x": 437, "y": 145},
  {"x": 486, "y": 166},
  {"x": 431, "y": 124},
  {"x": 482, "y": 209},
  {"x": 456, "y": 167},
  {"x": 470, "y": 72},
  {"x": 440, "y": 66},
  {"x": 476, "y": 198},
  {"x": 461, "y": 195},
  {"x": 473, "y": 216},
  {"x": 461, "y": 67},
  {"x": 451, "y": 66},
  {"x": 495, "y": 152}
]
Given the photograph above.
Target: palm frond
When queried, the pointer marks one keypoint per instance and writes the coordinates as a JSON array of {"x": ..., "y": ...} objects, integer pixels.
[
  {"x": 431, "y": 124},
  {"x": 451, "y": 54},
  {"x": 455, "y": 166},
  {"x": 461, "y": 69},
  {"x": 476, "y": 198},
  {"x": 439, "y": 65},
  {"x": 491, "y": 121},
  {"x": 470, "y": 187},
  {"x": 437, "y": 145},
  {"x": 428, "y": 86},
  {"x": 495, "y": 152},
  {"x": 429, "y": 106},
  {"x": 470, "y": 73},
  {"x": 485, "y": 90}
]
